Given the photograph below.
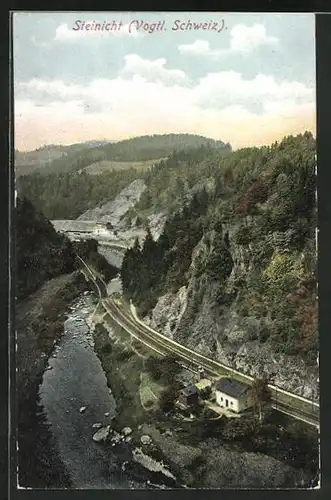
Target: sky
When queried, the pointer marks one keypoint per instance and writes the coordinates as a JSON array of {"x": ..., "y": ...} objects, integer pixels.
[{"x": 246, "y": 79}]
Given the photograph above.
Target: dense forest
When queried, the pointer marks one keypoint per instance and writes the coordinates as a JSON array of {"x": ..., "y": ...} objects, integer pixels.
[
  {"x": 43, "y": 254},
  {"x": 254, "y": 213},
  {"x": 156, "y": 146},
  {"x": 67, "y": 195},
  {"x": 136, "y": 149},
  {"x": 29, "y": 161}
]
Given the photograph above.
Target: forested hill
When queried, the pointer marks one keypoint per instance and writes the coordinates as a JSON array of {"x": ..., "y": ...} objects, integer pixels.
[
  {"x": 130, "y": 150},
  {"x": 157, "y": 146},
  {"x": 67, "y": 195},
  {"x": 41, "y": 253},
  {"x": 242, "y": 244},
  {"x": 29, "y": 161}
]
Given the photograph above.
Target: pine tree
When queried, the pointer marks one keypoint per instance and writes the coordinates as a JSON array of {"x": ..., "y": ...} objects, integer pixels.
[{"x": 261, "y": 396}]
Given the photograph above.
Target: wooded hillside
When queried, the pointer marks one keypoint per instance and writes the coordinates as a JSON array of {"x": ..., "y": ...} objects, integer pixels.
[
  {"x": 77, "y": 157},
  {"x": 253, "y": 215},
  {"x": 67, "y": 194}
]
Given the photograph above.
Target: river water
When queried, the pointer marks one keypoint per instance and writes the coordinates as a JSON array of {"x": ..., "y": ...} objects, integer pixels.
[{"x": 75, "y": 379}]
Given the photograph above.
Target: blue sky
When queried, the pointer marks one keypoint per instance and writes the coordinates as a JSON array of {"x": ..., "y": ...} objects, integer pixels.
[{"x": 247, "y": 79}]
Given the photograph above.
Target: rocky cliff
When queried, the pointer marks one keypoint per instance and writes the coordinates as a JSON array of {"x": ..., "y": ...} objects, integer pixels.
[
  {"x": 114, "y": 210},
  {"x": 194, "y": 316}
]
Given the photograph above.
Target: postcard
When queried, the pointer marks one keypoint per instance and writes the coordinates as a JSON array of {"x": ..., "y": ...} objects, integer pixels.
[{"x": 166, "y": 310}]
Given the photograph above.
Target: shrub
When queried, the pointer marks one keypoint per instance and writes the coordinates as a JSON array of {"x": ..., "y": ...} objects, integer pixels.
[
  {"x": 243, "y": 235},
  {"x": 149, "y": 403},
  {"x": 152, "y": 366},
  {"x": 219, "y": 264},
  {"x": 124, "y": 355},
  {"x": 257, "y": 193},
  {"x": 106, "y": 349},
  {"x": 168, "y": 397},
  {"x": 166, "y": 367},
  {"x": 239, "y": 428}
]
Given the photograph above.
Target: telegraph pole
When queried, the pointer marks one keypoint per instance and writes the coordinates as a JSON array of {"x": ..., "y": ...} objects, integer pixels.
[
  {"x": 276, "y": 397},
  {"x": 312, "y": 400},
  {"x": 273, "y": 381}
]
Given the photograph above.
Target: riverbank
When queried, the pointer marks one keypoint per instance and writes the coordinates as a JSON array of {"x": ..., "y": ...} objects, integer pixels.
[
  {"x": 39, "y": 326},
  {"x": 123, "y": 362},
  {"x": 201, "y": 453}
]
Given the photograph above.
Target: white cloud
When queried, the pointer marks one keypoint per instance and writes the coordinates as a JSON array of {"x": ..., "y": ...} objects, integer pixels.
[
  {"x": 142, "y": 79},
  {"x": 243, "y": 39},
  {"x": 152, "y": 70},
  {"x": 65, "y": 34},
  {"x": 54, "y": 87},
  {"x": 229, "y": 87},
  {"x": 198, "y": 47},
  {"x": 27, "y": 106},
  {"x": 247, "y": 38},
  {"x": 147, "y": 98}
]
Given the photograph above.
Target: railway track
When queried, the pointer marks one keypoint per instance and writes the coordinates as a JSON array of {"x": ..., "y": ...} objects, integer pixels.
[
  {"x": 302, "y": 410},
  {"x": 283, "y": 401}
]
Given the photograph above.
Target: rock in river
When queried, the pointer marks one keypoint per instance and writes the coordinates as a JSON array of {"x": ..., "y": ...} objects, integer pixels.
[
  {"x": 126, "y": 431},
  {"x": 97, "y": 425},
  {"x": 146, "y": 439},
  {"x": 101, "y": 434}
]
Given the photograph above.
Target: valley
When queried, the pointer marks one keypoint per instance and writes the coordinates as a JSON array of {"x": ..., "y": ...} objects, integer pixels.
[{"x": 216, "y": 251}]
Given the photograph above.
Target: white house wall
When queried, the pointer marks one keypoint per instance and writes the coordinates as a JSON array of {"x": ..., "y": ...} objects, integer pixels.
[
  {"x": 233, "y": 404},
  {"x": 236, "y": 405}
]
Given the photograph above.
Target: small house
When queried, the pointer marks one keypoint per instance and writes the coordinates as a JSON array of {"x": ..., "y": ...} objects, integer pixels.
[
  {"x": 189, "y": 395},
  {"x": 233, "y": 395},
  {"x": 204, "y": 387}
]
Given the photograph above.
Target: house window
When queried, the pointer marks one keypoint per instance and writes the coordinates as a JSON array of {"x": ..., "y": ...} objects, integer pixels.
[
  {"x": 221, "y": 399},
  {"x": 231, "y": 403}
]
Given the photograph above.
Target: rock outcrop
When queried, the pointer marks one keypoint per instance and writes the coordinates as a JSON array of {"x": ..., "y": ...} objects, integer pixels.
[
  {"x": 102, "y": 434},
  {"x": 146, "y": 440},
  {"x": 114, "y": 210},
  {"x": 193, "y": 317}
]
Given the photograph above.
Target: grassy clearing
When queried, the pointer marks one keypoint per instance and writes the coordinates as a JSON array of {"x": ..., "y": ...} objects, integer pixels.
[
  {"x": 149, "y": 391},
  {"x": 123, "y": 360},
  {"x": 107, "y": 166}
]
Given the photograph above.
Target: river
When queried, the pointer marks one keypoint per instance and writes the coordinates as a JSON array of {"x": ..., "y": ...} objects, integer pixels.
[{"x": 75, "y": 379}]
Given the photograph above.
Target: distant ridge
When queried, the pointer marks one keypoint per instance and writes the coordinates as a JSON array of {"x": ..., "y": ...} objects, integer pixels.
[{"x": 79, "y": 156}]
